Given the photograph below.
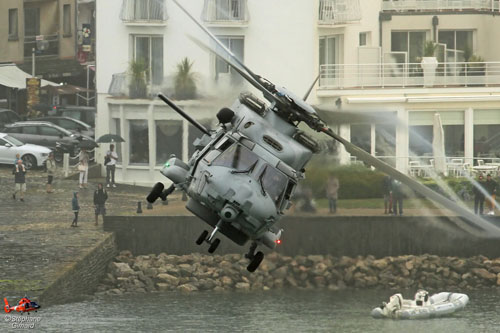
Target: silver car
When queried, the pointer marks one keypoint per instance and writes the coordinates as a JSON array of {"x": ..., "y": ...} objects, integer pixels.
[{"x": 32, "y": 155}]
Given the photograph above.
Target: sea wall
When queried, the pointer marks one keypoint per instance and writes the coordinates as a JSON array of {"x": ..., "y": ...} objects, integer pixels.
[
  {"x": 83, "y": 277},
  {"x": 379, "y": 236},
  {"x": 196, "y": 272}
]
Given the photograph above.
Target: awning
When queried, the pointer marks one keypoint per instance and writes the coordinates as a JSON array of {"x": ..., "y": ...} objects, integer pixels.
[
  {"x": 67, "y": 89},
  {"x": 13, "y": 77}
]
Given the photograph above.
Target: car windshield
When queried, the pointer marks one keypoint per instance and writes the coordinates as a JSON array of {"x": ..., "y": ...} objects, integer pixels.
[
  {"x": 237, "y": 157},
  {"x": 13, "y": 140},
  {"x": 273, "y": 183}
]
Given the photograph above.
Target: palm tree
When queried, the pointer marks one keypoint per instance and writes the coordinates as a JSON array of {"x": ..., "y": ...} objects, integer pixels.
[{"x": 185, "y": 80}]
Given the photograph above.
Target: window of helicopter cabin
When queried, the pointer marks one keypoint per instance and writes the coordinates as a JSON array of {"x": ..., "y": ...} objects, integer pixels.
[
  {"x": 194, "y": 133},
  {"x": 274, "y": 182},
  {"x": 148, "y": 52},
  {"x": 116, "y": 129},
  {"x": 237, "y": 157},
  {"x": 168, "y": 140},
  {"x": 235, "y": 44},
  {"x": 138, "y": 142}
]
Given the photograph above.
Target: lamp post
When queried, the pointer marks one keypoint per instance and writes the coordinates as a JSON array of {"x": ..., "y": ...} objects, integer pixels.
[{"x": 33, "y": 62}]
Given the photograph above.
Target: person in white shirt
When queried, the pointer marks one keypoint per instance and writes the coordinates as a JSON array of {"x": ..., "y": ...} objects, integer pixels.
[{"x": 111, "y": 158}]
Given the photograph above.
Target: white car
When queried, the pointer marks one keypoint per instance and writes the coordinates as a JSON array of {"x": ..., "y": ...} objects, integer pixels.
[{"x": 32, "y": 155}]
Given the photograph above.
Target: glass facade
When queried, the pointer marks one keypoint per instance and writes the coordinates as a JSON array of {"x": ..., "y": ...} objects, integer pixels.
[
  {"x": 168, "y": 140},
  {"x": 138, "y": 142}
]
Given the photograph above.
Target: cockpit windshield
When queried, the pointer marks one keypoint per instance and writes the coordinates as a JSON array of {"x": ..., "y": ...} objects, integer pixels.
[
  {"x": 238, "y": 158},
  {"x": 273, "y": 183}
]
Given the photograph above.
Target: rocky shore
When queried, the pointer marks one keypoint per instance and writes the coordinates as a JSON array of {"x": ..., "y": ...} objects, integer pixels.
[{"x": 197, "y": 272}]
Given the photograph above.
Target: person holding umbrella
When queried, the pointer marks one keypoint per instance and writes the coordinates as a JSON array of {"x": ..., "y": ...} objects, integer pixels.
[{"x": 110, "y": 163}]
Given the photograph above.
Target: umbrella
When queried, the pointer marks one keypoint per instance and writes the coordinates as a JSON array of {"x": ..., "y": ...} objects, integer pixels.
[
  {"x": 88, "y": 144},
  {"x": 438, "y": 145},
  {"x": 108, "y": 138}
]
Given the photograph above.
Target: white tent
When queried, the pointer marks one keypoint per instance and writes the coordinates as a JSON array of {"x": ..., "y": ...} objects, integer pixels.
[
  {"x": 13, "y": 77},
  {"x": 438, "y": 145}
]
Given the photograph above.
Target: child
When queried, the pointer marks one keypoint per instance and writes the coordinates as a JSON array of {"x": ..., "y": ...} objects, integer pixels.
[{"x": 76, "y": 209}]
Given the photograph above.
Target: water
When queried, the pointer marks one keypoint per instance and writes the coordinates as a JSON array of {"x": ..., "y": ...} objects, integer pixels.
[{"x": 271, "y": 311}]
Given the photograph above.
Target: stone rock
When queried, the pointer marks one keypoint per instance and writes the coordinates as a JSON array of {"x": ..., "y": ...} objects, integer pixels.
[
  {"x": 122, "y": 269},
  {"x": 292, "y": 282},
  {"x": 170, "y": 279},
  {"x": 498, "y": 279},
  {"x": 380, "y": 263},
  {"x": 227, "y": 281},
  {"x": 483, "y": 273},
  {"x": 187, "y": 288},
  {"x": 163, "y": 286},
  {"x": 242, "y": 286},
  {"x": 186, "y": 269},
  {"x": 280, "y": 273}
]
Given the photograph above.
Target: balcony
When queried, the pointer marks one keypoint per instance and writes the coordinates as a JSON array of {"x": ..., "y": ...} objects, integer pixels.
[
  {"x": 409, "y": 75},
  {"x": 47, "y": 45},
  {"x": 333, "y": 12},
  {"x": 144, "y": 12},
  {"x": 225, "y": 12},
  {"x": 441, "y": 5}
]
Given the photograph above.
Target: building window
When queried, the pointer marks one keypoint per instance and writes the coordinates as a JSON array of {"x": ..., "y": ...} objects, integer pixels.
[
  {"x": 228, "y": 10},
  {"x": 149, "y": 50},
  {"x": 143, "y": 10},
  {"x": 235, "y": 45},
  {"x": 67, "y": 20},
  {"x": 411, "y": 42},
  {"x": 361, "y": 136},
  {"x": 194, "y": 133},
  {"x": 328, "y": 50},
  {"x": 458, "y": 43},
  {"x": 363, "y": 38},
  {"x": 139, "y": 142},
  {"x": 13, "y": 24},
  {"x": 31, "y": 21},
  {"x": 168, "y": 140}
]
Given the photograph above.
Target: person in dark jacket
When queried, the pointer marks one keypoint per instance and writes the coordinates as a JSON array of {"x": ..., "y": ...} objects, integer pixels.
[
  {"x": 386, "y": 189},
  {"x": 478, "y": 190},
  {"x": 76, "y": 208},
  {"x": 19, "y": 173},
  {"x": 397, "y": 197},
  {"x": 491, "y": 187},
  {"x": 100, "y": 197}
]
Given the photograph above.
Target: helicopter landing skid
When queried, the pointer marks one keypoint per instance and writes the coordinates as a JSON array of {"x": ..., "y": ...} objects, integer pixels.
[{"x": 214, "y": 243}]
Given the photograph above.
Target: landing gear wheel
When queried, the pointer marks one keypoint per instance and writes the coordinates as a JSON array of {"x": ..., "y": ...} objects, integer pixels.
[
  {"x": 257, "y": 259},
  {"x": 202, "y": 237},
  {"x": 155, "y": 192},
  {"x": 214, "y": 245}
]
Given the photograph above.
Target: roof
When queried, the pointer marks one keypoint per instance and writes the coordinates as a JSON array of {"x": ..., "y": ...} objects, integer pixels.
[
  {"x": 13, "y": 77},
  {"x": 67, "y": 89}
]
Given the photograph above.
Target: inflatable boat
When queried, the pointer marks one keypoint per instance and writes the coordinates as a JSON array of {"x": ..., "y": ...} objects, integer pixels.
[{"x": 423, "y": 306}]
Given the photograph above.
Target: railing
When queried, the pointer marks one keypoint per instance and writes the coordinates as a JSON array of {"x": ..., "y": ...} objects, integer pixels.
[
  {"x": 143, "y": 11},
  {"x": 225, "y": 11},
  {"x": 339, "y": 11},
  {"x": 440, "y": 5},
  {"x": 47, "y": 45},
  {"x": 402, "y": 75}
]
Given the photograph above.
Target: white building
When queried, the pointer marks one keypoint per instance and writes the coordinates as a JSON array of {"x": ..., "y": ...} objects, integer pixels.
[{"x": 367, "y": 52}]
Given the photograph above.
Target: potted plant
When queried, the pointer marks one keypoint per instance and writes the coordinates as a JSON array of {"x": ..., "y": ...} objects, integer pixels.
[
  {"x": 429, "y": 63},
  {"x": 137, "y": 86},
  {"x": 185, "y": 80}
]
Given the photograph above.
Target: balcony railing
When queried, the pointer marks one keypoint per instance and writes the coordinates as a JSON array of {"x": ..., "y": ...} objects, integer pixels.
[
  {"x": 234, "y": 12},
  {"x": 144, "y": 11},
  {"x": 441, "y": 5},
  {"x": 409, "y": 75},
  {"x": 339, "y": 11},
  {"x": 47, "y": 45}
]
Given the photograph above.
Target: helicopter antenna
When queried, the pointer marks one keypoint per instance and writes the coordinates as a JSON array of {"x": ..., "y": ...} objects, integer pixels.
[
  {"x": 183, "y": 114},
  {"x": 310, "y": 88}
]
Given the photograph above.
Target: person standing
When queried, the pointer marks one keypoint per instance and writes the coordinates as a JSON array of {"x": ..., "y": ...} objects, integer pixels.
[
  {"x": 386, "y": 190},
  {"x": 111, "y": 159},
  {"x": 51, "y": 169},
  {"x": 18, "y": 157},
  {"x": 100, "y": 197},
  {"x": 397, "y": 197},
  {"x": 491, "y": 187},
  {"x": 83, "y": 167},
  {"x": 478, "y": 190},
  {"x": 76, "y": 208},
  {"x": 332, "y": 188},
  {"x": 19, "y": 173}
]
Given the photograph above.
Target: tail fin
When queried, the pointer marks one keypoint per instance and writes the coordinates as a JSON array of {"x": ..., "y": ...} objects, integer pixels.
[{"x": 6, "y": 307}]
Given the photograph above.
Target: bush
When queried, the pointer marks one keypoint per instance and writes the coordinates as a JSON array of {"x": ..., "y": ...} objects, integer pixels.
[{"x": 356, "y": 181}]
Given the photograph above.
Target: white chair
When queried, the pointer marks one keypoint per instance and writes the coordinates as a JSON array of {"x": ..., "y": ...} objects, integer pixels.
[{"x": 480, "y": 162}]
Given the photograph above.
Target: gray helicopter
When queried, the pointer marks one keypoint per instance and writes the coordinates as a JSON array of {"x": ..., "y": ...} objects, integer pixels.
[{"x": 242, "y": 176}]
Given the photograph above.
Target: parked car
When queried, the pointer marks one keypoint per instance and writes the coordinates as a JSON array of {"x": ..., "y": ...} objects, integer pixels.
[
  {"x": 72, "y": 125},
  {"x": 8, "y": 117},
  {"x": 32, "y": 155},
  {"x": 86, "y": 114},
  {"x": 46, "y": 134}
]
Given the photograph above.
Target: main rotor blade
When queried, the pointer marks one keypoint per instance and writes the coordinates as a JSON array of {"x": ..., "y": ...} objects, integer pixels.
[
  {"x": 311, "y": 88},
  {"x": 183, "y": 114},
  {"x": 490, "y": 229},
  {"x": 343, "y": 117}
]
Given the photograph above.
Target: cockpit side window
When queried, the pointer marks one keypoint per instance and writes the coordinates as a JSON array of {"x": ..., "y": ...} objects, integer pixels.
[
  {"x": 273, "y": 182},
  {"x": 237, "y": 157}
]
